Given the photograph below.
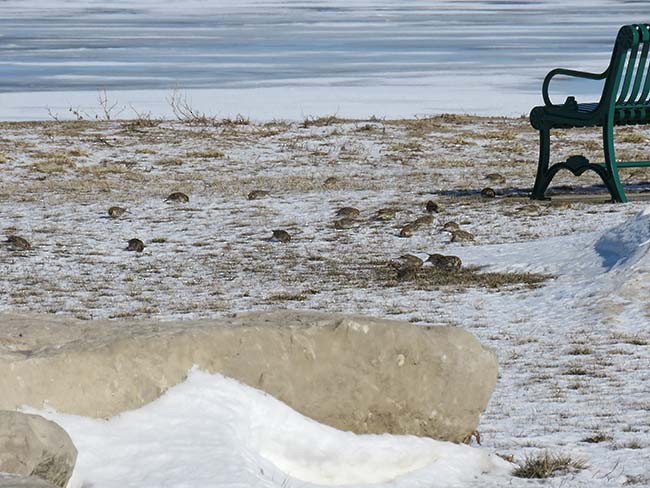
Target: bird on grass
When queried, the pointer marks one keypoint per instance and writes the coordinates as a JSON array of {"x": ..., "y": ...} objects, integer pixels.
[
  {"x": 445, "y": 262},
  {"x": 280, "y": 235},
  {"x": 256, "y": 194},
  {"x": 17, "y": 243},
  {"x": 432, "y": 207},
  {"x": 385, "y": 214},
  {"x": 135, "y": 245},
  {"x": 116, "y": 212},
  {"x": 424, "y": 220},
  {"x": 344, "y": 223},
  {"x": 407, "y": 273},
  {"x": 348, "y": 212},
  {"x": 450, "y": 226},
  {"x": 408, "y": 261},
  {"x": 177, "y": 196},
  {"x": 461, "y": 236},
  {"x": 331, "y": 182},
  {"x": 488, "y": 193},
  {"x": 409, "y": 229},
  {"x": 496, "y": 178}
]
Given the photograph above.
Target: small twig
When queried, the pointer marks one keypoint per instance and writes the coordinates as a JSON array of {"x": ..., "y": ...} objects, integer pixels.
[
  {"x": 103, "y": 140},
  {"x": 107, "y": 107},
  {"x": 54, "y": 116},
  {"x": 184, "y": 112}
]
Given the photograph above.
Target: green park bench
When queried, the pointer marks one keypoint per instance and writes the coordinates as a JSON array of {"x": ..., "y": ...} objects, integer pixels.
[{"x": 624, "y": 101}]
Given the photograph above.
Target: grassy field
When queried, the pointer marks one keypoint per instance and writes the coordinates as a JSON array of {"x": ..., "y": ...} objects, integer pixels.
[{"x": 216, "y": 255}]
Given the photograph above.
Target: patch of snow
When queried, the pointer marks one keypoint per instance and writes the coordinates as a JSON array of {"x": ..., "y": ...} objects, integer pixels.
[
  {"x": 626, "y": 244},
  {"x": 214, "y": 431}
]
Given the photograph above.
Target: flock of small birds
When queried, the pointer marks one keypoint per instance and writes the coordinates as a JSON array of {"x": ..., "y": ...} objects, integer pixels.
[
  {"x": 18, "y": 243},
  {"x": 345, "y": 218},
  {"x": 408, "y": 265}
]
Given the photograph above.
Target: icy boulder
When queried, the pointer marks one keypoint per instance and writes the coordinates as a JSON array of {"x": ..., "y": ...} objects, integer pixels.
[
  {"x": 32, "y": 446},
  {"x": 354, "y": 373}
]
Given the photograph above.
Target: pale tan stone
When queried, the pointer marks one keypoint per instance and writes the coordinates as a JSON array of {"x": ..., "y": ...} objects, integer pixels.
[
  {"x": 33, "y": 446},
  {"x": 355, "y": 373},
  {"x": 12, "y": 481}
]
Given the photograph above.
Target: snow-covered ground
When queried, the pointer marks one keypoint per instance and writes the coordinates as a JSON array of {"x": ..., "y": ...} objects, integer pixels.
[{"x": 574, "y": 350}]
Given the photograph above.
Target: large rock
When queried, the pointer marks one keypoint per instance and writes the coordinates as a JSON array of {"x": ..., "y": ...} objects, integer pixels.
[
  {"x": 14, "y": 481},
  {"x": 351, "y": 372},
  {"x": 33, "y": 446}
]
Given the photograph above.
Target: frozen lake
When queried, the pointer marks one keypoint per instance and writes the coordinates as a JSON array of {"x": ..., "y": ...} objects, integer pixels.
[{"x": 290, "y": 59}]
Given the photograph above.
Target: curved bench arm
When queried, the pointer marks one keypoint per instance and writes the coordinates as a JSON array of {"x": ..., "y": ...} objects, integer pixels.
[{"x": 568, "y": 72}]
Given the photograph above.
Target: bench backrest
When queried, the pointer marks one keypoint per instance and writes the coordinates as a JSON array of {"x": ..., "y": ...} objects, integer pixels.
[{"x": 628, "y": 80}]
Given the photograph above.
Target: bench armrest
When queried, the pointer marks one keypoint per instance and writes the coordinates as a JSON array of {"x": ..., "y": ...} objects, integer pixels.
[{"x": 568, "y": 72}]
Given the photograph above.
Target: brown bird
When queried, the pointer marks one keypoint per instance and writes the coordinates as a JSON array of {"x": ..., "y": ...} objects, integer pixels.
[
  {"x": 280, "y": 236},
  {"x": 331, "y": 182},
  {"x": 116, "y": 212},
  {"x": 407, "y": 273},
  {"x": 344, "y": 223},
  {"x": 424, "y": 220},
  {"x": 432, "y": 207},
  {"x": 496, "y": 178},
  {"x": 177, "y": 196},
  {"x": 409, "y": 229},
  {"x": 450, "y": 226},
  {"x": 409, "y": 261},
  {"x": 444, "y": 262},
  {"x": 530, "y": 209},
  {"x": 17, "y": 243},
  {"x": 348, "y": 212},
  {"x": 488, "y": 193},
  {"x": 135, "y": 245},
  {"x": 385, "y": 214},
  {"x": 461, "y": 236},
  {"x": 255, "y": 194}
]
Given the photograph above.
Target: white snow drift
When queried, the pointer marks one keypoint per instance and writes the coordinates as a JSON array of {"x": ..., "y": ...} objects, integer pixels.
[{"x": 212, "y": 431}]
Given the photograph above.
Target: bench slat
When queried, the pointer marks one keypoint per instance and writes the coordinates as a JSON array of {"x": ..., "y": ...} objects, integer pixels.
[
  {"x": 629, "y": 73},
  {"x": 640, "y": 74}
]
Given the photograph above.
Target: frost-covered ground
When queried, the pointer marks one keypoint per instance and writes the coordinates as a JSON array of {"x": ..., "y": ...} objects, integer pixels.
[{"x": 574, "y": 349}]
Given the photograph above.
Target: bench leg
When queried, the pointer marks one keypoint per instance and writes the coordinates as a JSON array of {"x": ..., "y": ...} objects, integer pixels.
[
  {"x": 542, "y": 180},
  {"x": 614, "y": 183}
]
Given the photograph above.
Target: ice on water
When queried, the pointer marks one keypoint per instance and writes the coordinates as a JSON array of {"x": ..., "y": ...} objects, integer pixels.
[{"x": 280, "y": 59}]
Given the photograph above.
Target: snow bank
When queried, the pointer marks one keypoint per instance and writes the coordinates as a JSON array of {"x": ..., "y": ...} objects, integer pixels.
[
  {"x": 602, "y": 276},
  {"x": 627, "y": 243},
  {"x": 625, "y": 286},
  {"x": 213, "y": 431}
]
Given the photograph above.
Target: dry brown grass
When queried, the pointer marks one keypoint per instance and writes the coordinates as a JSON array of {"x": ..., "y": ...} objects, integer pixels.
[
  {"x": 53, "y": 164},
  {"x": 546, "y": 465},
  {"x": 322, "y": 121},
  {"x": 430, "y": 277},
  {"x": 631, "y": 137},
  {"x": 207, "y": 154}
]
